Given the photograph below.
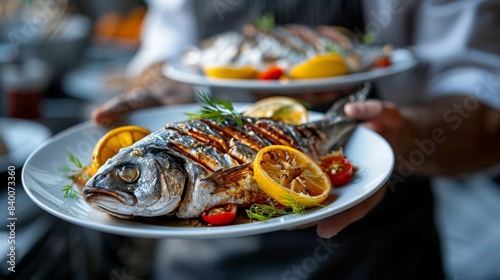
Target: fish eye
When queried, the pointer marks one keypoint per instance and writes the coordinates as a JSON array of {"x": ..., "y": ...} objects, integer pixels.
[{"x": 128, "y": 173}]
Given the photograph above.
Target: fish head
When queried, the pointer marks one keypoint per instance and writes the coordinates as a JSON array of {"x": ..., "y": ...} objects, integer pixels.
[{"x": 137, "y": 182}]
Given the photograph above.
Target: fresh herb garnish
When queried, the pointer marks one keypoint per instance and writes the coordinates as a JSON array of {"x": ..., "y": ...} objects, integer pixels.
[
  {"x": 332, "y": 48},
  {"x": 215, "y": 109},
  {"x": 282, "y": 111},
  {"x": 75, "y": 160},
  {"x": 70, "y": 192},
  {"x": 264, "y": 212},
  {"x": 78, "y": 171},
  {"x": 368, "y": 38},
  {"x": 265, "y": 22}
]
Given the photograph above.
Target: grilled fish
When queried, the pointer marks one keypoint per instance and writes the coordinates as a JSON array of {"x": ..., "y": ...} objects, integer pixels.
[
  {"x": 190, "y": 167},
  {"x": 285, "y": 46}
]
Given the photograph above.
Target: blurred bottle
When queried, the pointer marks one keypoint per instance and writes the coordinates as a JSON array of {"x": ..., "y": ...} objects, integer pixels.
[
  {"x": 7, "y": 55},
  {"x": 24, "y": 85}
]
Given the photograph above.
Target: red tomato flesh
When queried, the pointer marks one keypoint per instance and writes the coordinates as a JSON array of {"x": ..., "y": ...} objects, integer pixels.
[
  {"x": 220, "y": 216},
  {"x": 273, "y": 73},
  {"x": 338, "y": 169},
  {"x": 382, "y": 62}
]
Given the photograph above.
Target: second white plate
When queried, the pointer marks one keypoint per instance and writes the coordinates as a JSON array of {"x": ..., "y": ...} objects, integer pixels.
[{"x": 402, "y": 60}]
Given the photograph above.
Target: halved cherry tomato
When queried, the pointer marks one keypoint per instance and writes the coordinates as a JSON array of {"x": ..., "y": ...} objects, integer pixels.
[
  {"x": 338, "y": 169},
  {"x": 273, "y": 73},
  {"x": 383, "y": 61},
  {"x": 220, "y": 216}
]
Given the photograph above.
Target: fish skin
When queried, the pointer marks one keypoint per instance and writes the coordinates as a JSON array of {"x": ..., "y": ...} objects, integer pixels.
[{"x": 189, "y": 167}]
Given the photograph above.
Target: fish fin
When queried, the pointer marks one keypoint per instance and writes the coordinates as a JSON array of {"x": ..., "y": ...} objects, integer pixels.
[{"x": 230, "y": 175}]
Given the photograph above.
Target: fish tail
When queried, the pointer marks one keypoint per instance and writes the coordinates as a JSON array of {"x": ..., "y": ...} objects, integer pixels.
[
  {"x": 336, "y": 124},
  {"x": 358, "y": 94}
]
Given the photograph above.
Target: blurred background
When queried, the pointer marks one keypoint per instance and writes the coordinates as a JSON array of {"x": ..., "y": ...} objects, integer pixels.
[
  {"x": 58, "y": 60},
  {"x": 69, "y": 53}
]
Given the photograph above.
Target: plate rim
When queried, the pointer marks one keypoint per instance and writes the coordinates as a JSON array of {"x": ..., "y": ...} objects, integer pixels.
[{"x": 161, "y": 231}]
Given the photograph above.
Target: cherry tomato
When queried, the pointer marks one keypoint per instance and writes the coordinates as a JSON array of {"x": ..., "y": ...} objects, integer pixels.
[
  {"x": 339, "y": 170},
  {"x": 383, "y": 61},
  {"x": 220, "y": 216},
  {"x": 273, "y": 73}
]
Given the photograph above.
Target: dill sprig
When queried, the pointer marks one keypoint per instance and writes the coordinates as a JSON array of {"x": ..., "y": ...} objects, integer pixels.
[
  {"x": 264, "y": 212},
  {"x": 215, "y": 109},
  {"x": 73, "y": 173},
  {"x": 70, "y": 192}
]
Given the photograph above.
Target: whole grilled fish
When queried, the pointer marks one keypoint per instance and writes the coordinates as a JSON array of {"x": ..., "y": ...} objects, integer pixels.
[
  {"x": 189, "y": 167},
  {"x": 286, "y": 46}
]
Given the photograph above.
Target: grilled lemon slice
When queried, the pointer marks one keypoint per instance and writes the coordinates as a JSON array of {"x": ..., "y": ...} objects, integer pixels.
[
  {"x": 285, "y": 109},
  {"x": 113, "y": 141},
  {"x": 290, "y": 177}
]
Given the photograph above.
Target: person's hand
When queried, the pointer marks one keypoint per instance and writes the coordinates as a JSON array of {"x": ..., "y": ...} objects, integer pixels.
[
  {"x": 152, "y": 88},
  {"x": 386, "y": 119}
]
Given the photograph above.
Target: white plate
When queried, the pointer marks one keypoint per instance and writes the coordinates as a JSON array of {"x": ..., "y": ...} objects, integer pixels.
[
  {"x": 402, "y": 60},
  {"x": 21, "y": 138},
  {"x": 93, "y": 81},
  {"x": 42, "y": 181}
]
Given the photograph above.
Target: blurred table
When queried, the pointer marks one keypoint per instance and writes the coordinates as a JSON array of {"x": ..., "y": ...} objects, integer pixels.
[{"x": 50, "y": 248}]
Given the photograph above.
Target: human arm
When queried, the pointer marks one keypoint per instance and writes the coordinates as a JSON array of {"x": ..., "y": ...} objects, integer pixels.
[
  {"x": 449, "y": 136},
  {"x": 151, "y": 89},
  {"x": 440, "y": 138},
  {"x": 446, "y": 121}
]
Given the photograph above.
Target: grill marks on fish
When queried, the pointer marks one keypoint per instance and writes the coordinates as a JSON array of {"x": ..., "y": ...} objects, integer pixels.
[
  {"x": 307, "y": 35},
  {"x": 220, "y": 145},
  {"x": 282, "y": 39},
  {"x": 201, "y": 137},
  {"x": 275, "y": 135},
  {"x": 312, "y": 138},
  {"x": 335, "y": 36},
  {"x": 230, "y": 130},
  {"x": 195, "y": 156}
]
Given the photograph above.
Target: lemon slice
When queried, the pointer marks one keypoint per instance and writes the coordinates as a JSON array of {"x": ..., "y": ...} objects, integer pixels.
[
  {"x": 320, "y": 66},
  {"x": 113, "y": 141},
  {"x": 285, "y": 109},
  {"x": 231, "y": 72},
  {"x": 290, "y": 177}
]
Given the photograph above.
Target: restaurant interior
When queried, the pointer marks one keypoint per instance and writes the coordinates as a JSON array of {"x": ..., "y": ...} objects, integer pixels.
[{"x": 62, "y": 59}]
